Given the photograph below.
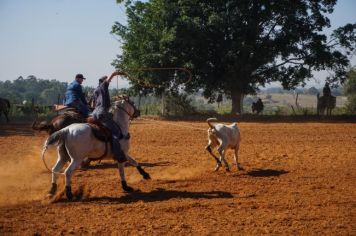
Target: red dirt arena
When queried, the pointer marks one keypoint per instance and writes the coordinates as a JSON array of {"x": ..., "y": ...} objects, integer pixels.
[{"x": 298, "y": 179}]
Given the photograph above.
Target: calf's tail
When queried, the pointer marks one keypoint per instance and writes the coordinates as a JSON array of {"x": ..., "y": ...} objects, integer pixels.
[{"x": 209, "y": 120}]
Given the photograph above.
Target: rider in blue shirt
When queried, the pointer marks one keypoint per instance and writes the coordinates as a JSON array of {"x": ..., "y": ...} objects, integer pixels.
[
  {"x": 74, "y": 96},
  {"x": 101, "y": 112}
]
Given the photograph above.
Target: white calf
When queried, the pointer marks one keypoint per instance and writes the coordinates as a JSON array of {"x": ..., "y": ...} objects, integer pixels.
[{"x": 225, "y": 137}]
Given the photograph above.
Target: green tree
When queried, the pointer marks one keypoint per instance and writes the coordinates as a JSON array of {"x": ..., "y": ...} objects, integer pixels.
[
  {"x": 231, "y": 46},
  {"x": 350, "y": 90}
]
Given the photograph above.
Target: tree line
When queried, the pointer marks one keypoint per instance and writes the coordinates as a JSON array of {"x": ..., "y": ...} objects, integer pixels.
[
  {"x": 231, "y": 47},
  {"x": 47, "y": 92},
  {"x": 41, "y": 91}
]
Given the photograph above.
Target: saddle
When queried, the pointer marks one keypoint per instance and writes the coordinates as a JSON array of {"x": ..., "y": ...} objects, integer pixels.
[{"x": 99, "y": 130}]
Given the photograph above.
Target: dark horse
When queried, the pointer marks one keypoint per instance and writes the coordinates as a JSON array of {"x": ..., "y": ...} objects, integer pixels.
[
  {"x": 325, "y": 103},
  {"x": 58, "y": 122},
  {"x": 5, "y": 107},
  {"x": 257, "y": 106}
]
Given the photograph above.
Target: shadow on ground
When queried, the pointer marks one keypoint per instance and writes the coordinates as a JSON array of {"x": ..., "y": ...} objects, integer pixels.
[
  {"x": 156, "y": 195},
  {"x": 161, "y": 194},
  {"x": 109, "y": 165},
  {"x": 266, "y": 172}
]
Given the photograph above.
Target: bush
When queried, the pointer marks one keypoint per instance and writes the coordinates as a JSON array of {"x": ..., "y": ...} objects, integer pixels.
[{"x": 178, "y": 105}]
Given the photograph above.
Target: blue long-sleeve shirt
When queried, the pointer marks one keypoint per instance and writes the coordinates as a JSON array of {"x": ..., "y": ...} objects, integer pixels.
[{"x": 74, "y": 93}]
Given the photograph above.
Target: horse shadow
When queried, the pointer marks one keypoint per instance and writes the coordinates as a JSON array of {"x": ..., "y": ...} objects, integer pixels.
[
  {"x": 154, "y": 164},
  {"x": 161, "y": 194},
  {"x": 266, "y": 172},
  {"x": 110, "y": 165}
]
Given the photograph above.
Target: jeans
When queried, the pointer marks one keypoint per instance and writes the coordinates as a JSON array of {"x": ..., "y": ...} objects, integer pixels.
[
  {"x": 81, "y": 107},
  {"x": 109, "y": 123}
]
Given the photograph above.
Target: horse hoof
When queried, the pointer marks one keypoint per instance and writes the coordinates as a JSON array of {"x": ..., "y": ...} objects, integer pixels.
[
  {"x": 53, "y": 190},
  {"x": 125, "y": 187},
  {"x": 144, "y": 174},
  {"x": 128, "y": 189},
  {"x": 69, "y": 193},
  {"x": 85, "y": 165}
]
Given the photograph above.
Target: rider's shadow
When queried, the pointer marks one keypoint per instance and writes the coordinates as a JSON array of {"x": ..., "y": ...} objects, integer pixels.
[{"x": 161, "y": 194}]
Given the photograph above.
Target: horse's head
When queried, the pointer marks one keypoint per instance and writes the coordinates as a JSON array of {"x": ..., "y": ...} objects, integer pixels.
[{"x": 125, "y": 104}]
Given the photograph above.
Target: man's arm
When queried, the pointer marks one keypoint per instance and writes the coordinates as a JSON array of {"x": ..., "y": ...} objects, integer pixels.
[{"x": 108, "y": 80}]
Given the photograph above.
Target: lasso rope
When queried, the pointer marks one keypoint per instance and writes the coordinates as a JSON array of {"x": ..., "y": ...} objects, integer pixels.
[
  {"x": 146, "y": 84},
  {"x": 171, "y": 123},
  {"x": 44, "y": 162}
]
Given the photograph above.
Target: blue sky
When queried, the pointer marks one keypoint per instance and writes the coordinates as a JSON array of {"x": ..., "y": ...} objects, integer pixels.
[{"x": 56, "y": 39}]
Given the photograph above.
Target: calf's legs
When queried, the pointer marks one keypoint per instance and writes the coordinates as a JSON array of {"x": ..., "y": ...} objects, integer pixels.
[
  {"x": 221, "y": 151},
  {"x": 218, "y": 162},
  {"x": 236, "y": 159}
]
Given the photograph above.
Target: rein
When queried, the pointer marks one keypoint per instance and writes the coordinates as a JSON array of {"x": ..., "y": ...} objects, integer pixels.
[{"x": 121, "y": 108}]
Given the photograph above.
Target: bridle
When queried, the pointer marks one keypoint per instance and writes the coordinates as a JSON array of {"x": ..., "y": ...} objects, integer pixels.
[{"x": 136, "y": 112}]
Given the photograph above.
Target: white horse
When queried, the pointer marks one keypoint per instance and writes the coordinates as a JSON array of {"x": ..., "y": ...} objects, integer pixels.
[{"x": 76, "y": 143}]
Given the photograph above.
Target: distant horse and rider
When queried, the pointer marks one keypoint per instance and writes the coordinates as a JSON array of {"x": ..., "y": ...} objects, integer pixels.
[
  {"x": 257, "y": 106},
  {"x": 327, "y": 102},
  {"x": 5, "y": 107}
]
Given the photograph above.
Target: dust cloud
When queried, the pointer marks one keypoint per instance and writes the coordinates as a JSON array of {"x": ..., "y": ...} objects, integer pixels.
[{"x": 24, "y": 178}]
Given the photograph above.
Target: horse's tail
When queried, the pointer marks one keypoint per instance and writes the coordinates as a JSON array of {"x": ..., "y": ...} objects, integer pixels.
[
  {"x": 209, "y": 120},
  {"x": 54, "y": 138}
]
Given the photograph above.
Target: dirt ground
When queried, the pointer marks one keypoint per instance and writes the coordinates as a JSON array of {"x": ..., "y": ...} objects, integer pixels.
[{"x": 298, "y": 179}]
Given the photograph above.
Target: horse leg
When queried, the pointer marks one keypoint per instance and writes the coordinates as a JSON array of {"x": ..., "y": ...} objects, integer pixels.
[
  {"x": 142, "y": 172},
  {"x": 68, "y": 174},
  {"x": 124, "y": 185},
  {"x": 62, "y": 159}
]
